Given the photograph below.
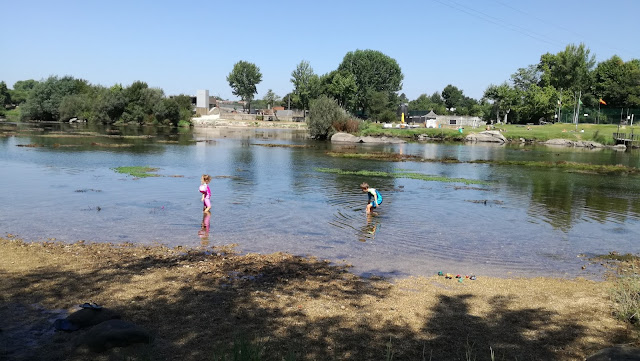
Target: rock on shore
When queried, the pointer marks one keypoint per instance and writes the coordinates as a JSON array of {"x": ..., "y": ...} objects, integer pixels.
[
  {"x": 350, "y": 138},
  {"x": 490, "y": 136}
]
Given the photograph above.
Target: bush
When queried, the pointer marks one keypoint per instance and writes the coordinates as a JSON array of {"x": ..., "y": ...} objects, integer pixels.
[
  {"x": 348, "y": 125},
  {"x": 387, "y": 117},
  {"x": 324, "y": 112}
]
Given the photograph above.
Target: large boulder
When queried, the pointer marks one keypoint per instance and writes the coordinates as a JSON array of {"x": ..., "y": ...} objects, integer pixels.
[
  {"x": 617, "y": 353},
  {"x": 350, "y": 138},
  {"x": 84, "y": 318},
  {"x": 344, "y": 137},
  {"x": 489, "y": 136},
  {"x": 588, "y": 144},
  {"x": 560, "y": 142}
]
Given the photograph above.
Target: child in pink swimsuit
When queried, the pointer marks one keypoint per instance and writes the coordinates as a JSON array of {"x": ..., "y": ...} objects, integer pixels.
[{"x": 206, "y": 192}]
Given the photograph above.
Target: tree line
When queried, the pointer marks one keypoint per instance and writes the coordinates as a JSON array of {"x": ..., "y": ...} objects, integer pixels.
[
  {"x": 65, "y": 98},
  {"x": 364, "y": 85}
]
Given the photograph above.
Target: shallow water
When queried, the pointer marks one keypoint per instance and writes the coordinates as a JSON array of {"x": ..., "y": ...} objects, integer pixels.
[{"x": 522, "y": 222}]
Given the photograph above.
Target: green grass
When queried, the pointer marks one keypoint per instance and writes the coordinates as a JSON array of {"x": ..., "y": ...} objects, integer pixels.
[
  {"x": 410, "y": 175},
  {"x": 138, "y": 172},
  {"x": 601, "y": 133},
  {"x": 626, "y": 296}
]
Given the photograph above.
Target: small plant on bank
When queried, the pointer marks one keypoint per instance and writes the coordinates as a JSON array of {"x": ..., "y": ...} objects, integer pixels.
[{"x": 626, "y": 295}]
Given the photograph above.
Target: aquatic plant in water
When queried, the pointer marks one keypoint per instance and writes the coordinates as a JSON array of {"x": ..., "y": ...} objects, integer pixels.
[
  {"x": 138, "y": 172},
  {"x": 411, "y": 175}
]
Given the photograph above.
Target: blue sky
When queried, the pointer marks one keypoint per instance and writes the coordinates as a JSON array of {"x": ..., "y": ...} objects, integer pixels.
[{"x": 184, "y": 46}]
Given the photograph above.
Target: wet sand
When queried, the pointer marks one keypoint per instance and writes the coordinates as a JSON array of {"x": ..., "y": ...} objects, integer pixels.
[{"x": 197, "y": 302}]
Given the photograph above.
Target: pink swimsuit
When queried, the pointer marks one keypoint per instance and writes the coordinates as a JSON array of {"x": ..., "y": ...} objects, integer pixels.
[{"x": 204, "y": 189}]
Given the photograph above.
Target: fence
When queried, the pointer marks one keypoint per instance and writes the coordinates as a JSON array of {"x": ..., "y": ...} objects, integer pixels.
[{"x": 604, "y": 115}]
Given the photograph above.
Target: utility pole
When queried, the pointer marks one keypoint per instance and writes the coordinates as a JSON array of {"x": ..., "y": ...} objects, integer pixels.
[{"x": 578, "y": 111}]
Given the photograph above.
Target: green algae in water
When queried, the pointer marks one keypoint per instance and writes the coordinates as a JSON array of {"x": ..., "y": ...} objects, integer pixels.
[
  {"x": 411, "y": 175},
  {"x": 138, "y": 172}
]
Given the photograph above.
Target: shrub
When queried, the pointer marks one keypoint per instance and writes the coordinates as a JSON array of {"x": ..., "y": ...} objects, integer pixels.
[
  {"x": 626, "y": 295},
  {"x": 387, "y": 116},
  {"x": 348, "y": 125},
  {"x": 324, "y": 112}
]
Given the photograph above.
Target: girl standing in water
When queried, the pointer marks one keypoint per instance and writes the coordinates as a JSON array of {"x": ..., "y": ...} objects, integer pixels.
[{"x": 206, "y": 192}]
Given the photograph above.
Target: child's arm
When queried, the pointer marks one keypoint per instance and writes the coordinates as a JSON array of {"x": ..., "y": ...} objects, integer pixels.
[{"x": 375, "y": 195}]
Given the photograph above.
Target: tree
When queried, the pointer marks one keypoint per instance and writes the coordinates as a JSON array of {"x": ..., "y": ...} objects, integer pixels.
[
  {"x": 379, "y": 103},
  {"x": 539, "y": 102},
  {"x": 569, "y": 69},
  {"x": 373, "y": 72},
  {"x": 108, "y": 105},
  {"x": 452, "y": 96},
  {"x": 305, "y": 83},
  {"x": 524, "y": 78},
  {"x": 5, "y": 96},
  {"x": 342, "y": 87},
  {"x": 21, "y": 90},
  {"x": 323, "y": 113},
  {"x": 271, "y": 98},
  {"x": 617, "y": 82},
  {"x": 44, "y": 99},
  {"x": 504, "y": 99},
  {"x": 243, "y": 80}
]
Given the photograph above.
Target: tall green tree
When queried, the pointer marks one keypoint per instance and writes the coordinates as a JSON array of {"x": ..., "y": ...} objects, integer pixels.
[
  {"x": 44, "y": 99},
  {"x": 568, "y": 69},
  {"x": 271, "y": 98},
  {"x": 342, "y": 87},
  {"x": 5, "y": 96},
  {"x": 243, "y": 80},
  {"x": 617, "y": 82},
  {"x": 504, "y": 98},
  {"x": 452, "y": 96},
  {"x": 306, "y": 84},
  {"x": 373, "y": 72},
  {"x": 524, "y": 78},
  {"x": 21, "y": 90}
]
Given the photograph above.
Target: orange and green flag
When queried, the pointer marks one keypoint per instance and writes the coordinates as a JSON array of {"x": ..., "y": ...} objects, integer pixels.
[{"x": 602, "y": 102}]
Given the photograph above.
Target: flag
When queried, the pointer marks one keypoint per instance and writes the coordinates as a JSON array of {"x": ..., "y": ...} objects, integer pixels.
[
  {"x": 580, "y": 101},
  {"x": 602, "y": 102}
]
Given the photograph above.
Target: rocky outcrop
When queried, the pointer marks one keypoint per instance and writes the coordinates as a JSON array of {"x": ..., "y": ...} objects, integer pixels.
[
  {"x": 350, "y": 138},
  {"x": 617, "y": 353},
  {"x": 571, "y": 143},
  {"x": 560, "y": 142},
  {"x": 489, "y": 136}
]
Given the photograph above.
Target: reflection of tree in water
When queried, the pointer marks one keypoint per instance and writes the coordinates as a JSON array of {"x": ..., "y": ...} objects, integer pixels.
[
  {"x": 567, "y": 198},
  {"x": 243, "y": 166}
]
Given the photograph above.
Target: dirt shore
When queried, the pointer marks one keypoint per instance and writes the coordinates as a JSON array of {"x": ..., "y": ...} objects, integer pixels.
[{"x": 198, "y": 302}]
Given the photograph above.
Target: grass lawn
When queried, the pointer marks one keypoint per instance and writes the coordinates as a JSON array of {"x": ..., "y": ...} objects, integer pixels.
[{"x": 602, "y": 133}]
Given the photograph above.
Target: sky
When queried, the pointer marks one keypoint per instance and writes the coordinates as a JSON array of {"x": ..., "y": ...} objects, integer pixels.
[{"x": 185, "y": 46}]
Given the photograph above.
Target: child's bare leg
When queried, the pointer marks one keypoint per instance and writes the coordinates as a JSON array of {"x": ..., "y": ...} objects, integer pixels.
[{"x": 368, "y": 208}]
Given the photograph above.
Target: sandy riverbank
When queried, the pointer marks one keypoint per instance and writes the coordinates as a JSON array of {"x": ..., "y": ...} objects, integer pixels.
[{"x": 197, "y": 302}]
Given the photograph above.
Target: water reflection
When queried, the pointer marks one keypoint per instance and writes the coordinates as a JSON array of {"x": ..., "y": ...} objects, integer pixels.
[{"x": 205, "y": 226}]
